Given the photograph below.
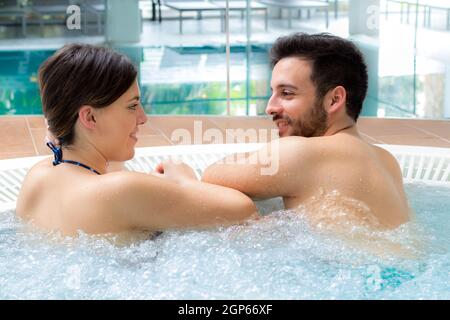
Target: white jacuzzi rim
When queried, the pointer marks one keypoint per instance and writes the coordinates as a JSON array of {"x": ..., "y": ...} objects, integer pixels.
[{"x": 222, "y": 148}]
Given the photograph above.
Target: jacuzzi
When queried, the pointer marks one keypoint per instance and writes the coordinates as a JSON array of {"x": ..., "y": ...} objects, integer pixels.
[{"x": 279, "y": 257}]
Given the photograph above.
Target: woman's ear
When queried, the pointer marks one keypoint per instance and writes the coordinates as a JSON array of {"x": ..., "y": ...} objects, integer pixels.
[
  {"x": 336, "y": 99},
  {"x": 86, "y": 114}
]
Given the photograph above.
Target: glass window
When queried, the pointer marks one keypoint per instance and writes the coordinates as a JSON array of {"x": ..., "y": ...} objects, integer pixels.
[{"x": 211, "y": 57}]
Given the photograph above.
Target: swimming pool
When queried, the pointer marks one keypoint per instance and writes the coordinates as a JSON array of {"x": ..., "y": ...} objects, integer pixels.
[
  {"x": 192, "y": 80},
  {"x": 278, "y": 257},
  {"x": 173, "y": 80}
]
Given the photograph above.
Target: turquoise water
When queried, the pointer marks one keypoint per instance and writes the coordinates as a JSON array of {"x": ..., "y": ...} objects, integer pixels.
[
  {"x": 187, "y": 80},
  {"x": 173, "y": 80},
  {"x": 278, "y": 257}
]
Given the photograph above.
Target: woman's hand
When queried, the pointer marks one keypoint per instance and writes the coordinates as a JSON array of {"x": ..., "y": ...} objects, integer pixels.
[{"x": 176, "y": 171}]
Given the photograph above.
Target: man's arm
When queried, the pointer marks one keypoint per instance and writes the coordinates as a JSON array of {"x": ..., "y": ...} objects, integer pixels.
[{"x": 277, "y": 169}]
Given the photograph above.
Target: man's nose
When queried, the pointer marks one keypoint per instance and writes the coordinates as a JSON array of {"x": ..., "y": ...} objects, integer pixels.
[{"x": 273, "y": 107}]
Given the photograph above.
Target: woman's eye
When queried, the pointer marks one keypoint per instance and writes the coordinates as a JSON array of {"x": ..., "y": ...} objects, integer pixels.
[{"x": 133, "y": 107}]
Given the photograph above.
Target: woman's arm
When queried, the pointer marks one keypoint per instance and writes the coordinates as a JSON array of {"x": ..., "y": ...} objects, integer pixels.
[{"x": 141, "y": 201}]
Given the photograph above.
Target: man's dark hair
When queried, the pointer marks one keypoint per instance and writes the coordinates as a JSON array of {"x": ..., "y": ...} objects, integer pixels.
[
  {"x": 335, "y": 62},
  {"x": 77, "y": 75}
]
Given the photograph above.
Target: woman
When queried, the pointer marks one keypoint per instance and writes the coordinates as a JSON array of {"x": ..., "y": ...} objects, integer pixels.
[{"x": 90, "y": 98}]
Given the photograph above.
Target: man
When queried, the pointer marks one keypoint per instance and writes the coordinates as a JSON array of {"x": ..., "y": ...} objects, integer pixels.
[{"x": 319, "y": 83}]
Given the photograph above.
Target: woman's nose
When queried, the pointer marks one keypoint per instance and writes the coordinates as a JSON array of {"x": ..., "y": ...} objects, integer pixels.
[{"x": 142, "y": 117}]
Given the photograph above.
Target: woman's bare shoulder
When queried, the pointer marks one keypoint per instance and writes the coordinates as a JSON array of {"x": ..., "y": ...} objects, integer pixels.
[
  {"x": 37, "y": 173},
  {"x": 33, "y": 185},
  {"x": 43, "y": 164},
  {"x": 127, "y": 179},
  {"x": 122, "y": 186}
]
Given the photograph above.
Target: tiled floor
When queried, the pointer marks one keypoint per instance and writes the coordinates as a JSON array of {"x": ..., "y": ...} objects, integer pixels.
[{"x": 23, "y": 136}]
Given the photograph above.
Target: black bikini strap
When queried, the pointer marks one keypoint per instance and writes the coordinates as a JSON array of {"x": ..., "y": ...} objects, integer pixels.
[
  {"x": 57, "y": 152},
  {"x": 58, "y": 158}
]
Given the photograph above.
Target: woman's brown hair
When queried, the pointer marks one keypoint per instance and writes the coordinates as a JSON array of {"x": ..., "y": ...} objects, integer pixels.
[{"x": 77, "y": 75}]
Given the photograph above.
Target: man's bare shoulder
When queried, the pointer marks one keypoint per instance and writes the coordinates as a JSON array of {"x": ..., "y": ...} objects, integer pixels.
[
  {"x": 296, "y": 154},
  {"x": 383, "y": 152},
  {"x": 303, "y": 150},
  {"x": 389, "y": 160},
  {"x": 385, "y": 156},
  {"x": 293, "y": 140},
  {"x": 294, "y": 145}
]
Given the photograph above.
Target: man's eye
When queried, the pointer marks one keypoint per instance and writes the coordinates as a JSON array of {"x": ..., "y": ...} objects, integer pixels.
[{"x": 286, "y": 93}]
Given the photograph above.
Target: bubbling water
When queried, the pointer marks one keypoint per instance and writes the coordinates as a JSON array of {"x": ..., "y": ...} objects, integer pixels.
[{"x": 280, "y": 256}]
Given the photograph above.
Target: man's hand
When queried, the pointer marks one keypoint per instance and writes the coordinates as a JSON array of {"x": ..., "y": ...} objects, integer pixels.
[{"x": 176, "y": 171}]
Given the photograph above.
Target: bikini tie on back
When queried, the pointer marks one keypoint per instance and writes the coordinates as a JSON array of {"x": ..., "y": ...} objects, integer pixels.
[{"x": 58, "y": 158}]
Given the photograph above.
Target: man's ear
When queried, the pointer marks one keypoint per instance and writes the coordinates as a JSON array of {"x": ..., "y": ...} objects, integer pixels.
[
  {"x": 336, "y": 99},
  {"x": 87, "y": 117}
]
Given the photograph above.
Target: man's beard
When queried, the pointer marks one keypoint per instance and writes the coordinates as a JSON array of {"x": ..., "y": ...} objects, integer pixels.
[{"x": 313, "y": 124}]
